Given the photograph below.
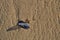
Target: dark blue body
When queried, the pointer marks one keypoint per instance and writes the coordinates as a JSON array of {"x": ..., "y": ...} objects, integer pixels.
[{"x": 23, "y": 24}]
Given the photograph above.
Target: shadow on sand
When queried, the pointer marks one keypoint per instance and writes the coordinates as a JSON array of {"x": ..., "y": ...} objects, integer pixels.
[{"x": 13, "y": 28}]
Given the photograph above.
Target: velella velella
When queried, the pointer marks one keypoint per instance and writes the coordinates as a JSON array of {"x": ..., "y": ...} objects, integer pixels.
[{"x": 23, "y": 24}]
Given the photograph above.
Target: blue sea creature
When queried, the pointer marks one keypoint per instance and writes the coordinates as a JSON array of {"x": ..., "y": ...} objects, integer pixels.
[
  {"x": 20, "y": 24},
  {"x": 23, "y": 24}
]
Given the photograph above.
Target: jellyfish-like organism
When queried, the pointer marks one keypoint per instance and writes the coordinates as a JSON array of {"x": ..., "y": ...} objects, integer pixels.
[
  {"x": 20, "y": 24},
  {"x": 23, "y": 24}
]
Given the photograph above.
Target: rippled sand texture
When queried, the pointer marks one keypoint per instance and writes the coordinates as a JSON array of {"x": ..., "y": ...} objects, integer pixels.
[{"x": 43, "y": 15}]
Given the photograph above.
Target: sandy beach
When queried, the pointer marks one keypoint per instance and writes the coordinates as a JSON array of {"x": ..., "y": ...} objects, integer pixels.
[{"x": 43, "y": 16}]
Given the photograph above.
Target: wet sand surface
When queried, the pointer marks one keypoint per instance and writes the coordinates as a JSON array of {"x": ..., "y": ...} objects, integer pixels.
[{"x": 43, "y": 15}]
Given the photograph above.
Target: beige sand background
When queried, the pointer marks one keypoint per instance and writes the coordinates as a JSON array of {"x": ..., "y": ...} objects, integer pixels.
[{"x": 43, "y": 15}]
